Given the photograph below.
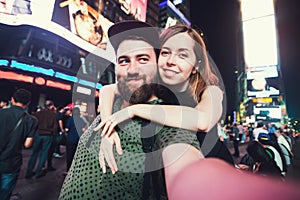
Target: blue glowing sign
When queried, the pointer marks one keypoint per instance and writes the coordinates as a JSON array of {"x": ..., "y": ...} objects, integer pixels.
[
  {"x": 66, "y": 77},
  {"x": 31, "y": 68},
  {"x": 4, "y": 62},
  {"x": 87, "y": 83}
]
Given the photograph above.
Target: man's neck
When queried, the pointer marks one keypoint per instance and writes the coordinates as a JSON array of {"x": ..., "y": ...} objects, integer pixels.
[
  {"x": 19, "y": 105},
  {"x": 126, "y": 104}
]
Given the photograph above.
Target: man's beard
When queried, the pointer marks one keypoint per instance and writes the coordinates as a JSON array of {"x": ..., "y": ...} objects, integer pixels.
[{"x": 135, "y": 94}]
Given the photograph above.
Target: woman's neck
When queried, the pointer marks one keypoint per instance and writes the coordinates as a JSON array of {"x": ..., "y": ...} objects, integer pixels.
[{"x": 181, "y": 87}]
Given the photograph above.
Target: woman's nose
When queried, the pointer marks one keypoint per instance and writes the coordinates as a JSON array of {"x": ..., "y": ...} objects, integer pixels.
[{"x": 171, "y": 59}]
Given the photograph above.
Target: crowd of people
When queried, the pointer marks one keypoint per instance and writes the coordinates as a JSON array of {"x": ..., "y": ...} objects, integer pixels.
[
  {"x": 157, "y": 136},
  {"x": 269, "y": 148},
  {"x": 45, "y": 130}
]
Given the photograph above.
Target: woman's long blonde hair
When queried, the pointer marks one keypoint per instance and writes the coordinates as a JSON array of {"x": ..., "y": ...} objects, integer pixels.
[{"x": 205, "y": 76}]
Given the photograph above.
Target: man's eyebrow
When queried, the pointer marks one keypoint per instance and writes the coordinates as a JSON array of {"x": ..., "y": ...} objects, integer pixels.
[
  {"x": 143, "y": 54},
  {"x": 122, "y": 57}
]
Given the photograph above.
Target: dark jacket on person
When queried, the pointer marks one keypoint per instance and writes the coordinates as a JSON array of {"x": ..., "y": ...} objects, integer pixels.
[
  {"x": 47, "y": 122},
  {"x": 268, "y": 165},
  {"x": 12, "y": 144}
]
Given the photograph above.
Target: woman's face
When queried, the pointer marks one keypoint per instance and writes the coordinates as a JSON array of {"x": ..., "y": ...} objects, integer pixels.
[{"x": 177, "y": 60}]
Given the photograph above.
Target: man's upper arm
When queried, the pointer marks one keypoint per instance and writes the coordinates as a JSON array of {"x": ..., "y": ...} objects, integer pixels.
[{"x": 33, "y": 126}]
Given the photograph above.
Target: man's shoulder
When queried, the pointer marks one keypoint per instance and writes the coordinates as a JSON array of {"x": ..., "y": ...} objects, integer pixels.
[{"x": 45, "y": 112}]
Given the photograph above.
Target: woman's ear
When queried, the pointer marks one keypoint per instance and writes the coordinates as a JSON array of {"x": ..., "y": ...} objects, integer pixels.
[{"x": 196, "y": 67}]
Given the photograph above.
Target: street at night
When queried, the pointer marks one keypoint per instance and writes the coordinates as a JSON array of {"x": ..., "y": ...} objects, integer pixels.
[{"x": 201, "y": 95}]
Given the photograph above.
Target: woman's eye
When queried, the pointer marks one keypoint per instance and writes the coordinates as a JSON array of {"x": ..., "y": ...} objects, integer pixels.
[{"x": 182, "y": 55}]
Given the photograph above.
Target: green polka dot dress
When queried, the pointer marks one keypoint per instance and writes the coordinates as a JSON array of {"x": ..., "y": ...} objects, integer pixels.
[{"x": 85, "y": 180}]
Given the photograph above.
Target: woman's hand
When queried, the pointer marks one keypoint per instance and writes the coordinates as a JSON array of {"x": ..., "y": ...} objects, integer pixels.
[
  {"x": 106, "y": 152},
  {"x": 112, "y": 121}
]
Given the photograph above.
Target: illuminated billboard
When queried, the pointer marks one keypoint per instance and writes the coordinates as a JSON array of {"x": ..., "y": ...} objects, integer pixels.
[
  {"x": 270, "y": 113},
  {"x": 82, "y": 18},
  {"x": 260, "y": 48},
  {"x": 137, "y": 8},
  {"x": 259, "y": 33},
  {"x": 263, "y": 87}
]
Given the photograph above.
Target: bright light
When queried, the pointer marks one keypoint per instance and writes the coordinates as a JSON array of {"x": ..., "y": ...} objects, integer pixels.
[
  {"x": 260, "y": 43},
  {"x": 259, "y": 29},
  {"x": 256, "y": 8}
]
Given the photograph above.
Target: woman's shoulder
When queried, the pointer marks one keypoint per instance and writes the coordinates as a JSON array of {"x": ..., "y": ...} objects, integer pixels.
[
  {"x": 113, "y": 85},
  {"x": 213, "y": 91},
  {"x": 213, "y": 88}
]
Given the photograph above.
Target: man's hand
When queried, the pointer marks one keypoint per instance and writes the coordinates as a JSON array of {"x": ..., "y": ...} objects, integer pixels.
[{"x": 106, "y": 152}]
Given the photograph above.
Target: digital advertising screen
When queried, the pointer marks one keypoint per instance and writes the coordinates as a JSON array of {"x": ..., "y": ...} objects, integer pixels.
[
  {"x": 263, "y": 87},
  {"x": 81, "y": 17},
  {"x": 137, "y": 8},
  {"x": 55, "y": 39},
  {"x": 268, "y": 113}
]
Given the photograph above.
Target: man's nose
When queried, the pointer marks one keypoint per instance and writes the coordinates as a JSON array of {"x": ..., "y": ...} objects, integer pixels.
[{"x": 133, "y": 67}]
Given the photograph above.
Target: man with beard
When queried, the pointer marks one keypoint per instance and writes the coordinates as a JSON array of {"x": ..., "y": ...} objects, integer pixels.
[{"x": 139, "y": 174}]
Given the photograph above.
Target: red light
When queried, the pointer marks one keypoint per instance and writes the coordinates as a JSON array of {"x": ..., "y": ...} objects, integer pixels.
[
  {"x": 58, "y": 85},
  {"x": 40, "y": 81},
  {"x": 15, "y": 76}
]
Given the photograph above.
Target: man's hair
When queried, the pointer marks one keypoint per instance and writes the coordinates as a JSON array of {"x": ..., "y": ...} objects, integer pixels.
[
  {"x": 76, "y": 111},
  {"x": 22, "y": 96},
  {"x": 260, "y": 124},
  {"x": 121, "y": 30},
  {"x": 48, "y": 103}
]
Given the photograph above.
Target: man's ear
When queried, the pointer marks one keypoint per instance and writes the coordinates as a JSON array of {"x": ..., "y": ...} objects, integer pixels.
[
  {"x": 12, "y": 101},
  {"x": 28, "y": 103}
]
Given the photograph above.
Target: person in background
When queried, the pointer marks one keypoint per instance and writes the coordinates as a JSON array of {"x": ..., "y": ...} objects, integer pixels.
[
  {"x": 53, "y": 146},
  {"x": 261, "y": 162},
  {"x": 228, "y": 129},
  {"x": 285, "y": 147},
  {"x": 222, "y": 133},
  {"x": 61, "y": 131},
  {"x": 74, "y": 128},
  {"x": 260, "y": 128},
  {"x": 274, "y": 151},
  {"x": 240, "y": 127},
  {"x": 236, "y": 140},
  {"x": 18, "y": 129},
  {"x": 4, "y": 103},
  {"x": 250, "y": 131},
  {"x": 272, "y": 129},
  {"x": 47, "y": 127}
]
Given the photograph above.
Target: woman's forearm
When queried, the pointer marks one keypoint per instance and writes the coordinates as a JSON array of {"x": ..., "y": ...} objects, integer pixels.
[
  {"x": 174, "y": 116},
  {"x": 203, "y": 117},
  {"x": 106, "y": 99}
]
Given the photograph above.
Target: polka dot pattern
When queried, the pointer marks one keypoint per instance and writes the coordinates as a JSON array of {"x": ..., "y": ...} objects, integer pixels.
[{"x": 85, "y": 179}]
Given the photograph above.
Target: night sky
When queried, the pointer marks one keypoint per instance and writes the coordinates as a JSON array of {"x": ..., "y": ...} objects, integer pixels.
[{"x": 218, "y": 20}]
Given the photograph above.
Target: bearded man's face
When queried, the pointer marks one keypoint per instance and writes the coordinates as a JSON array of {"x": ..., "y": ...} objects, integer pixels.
[{"x": 136, "y": 70}]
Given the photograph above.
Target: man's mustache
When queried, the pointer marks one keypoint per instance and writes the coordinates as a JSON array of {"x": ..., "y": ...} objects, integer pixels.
[{"x": 134, "y": 77}]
